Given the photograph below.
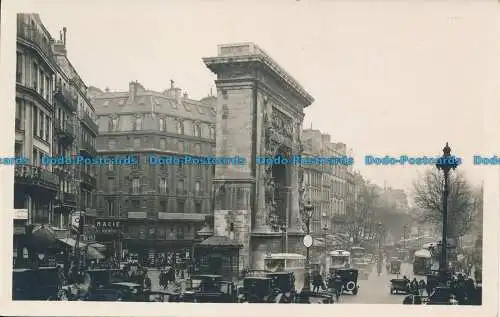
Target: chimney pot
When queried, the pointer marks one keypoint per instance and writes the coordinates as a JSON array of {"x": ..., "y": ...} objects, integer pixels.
[{"x": 64, "y": 35}]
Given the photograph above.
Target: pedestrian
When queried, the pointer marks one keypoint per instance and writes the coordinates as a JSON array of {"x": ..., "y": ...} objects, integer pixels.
[
  {"x": 317, "y": 281},
  {"x": 337, "y": 286},
  {"x": 422, "y": 287},
  {"x": 414, "y": 286},
  {"x": 147, "y": 282}
]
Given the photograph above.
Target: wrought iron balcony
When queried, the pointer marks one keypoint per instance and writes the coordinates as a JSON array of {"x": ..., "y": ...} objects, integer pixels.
[
  {"x": 66, "y": 97},
  {"x": 87, "y": 120},
  {"x": 88, "y": 149},
  {"x": 65, "y": 132},
  {"x": 36, "y": 176},
  {"x": 68, "y": 198},
  {"x": 33, "y": 36}
]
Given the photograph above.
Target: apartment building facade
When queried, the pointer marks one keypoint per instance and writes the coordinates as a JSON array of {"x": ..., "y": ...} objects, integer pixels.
[
  {"x": 155, "y": 208},
  {"x": 46, "y": 125}
]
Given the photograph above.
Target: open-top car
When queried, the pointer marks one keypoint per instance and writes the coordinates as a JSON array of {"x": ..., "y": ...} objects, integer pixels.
[
  {"x": 442, "y": 295},
  {"x": 399, "y": 285},
  {"x": 161, "y": 296},
  {"x": 257, "y": 290},
  {"x": 104, "y": 277},
  {"x": 120, "y": 291},
  {"x": 349, "y": 279},
  {"x": 310, "y": 297},
  {"x": 209, "y": 289},
  {"x": 283, "y": 283}
]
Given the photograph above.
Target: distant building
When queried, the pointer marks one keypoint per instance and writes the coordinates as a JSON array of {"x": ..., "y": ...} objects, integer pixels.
[
  {"x": 159, "y": 208},
  {"x": 395, "y": 199},
  {"x": 326, "y": 185}
]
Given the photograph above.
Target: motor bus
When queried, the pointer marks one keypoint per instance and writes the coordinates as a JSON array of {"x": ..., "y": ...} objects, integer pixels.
[
  {"x": 338, "y": 259},
  {"x": 288, "y": 262},
  {"x": 357, "y": 255},
  {"x": 422, "y": 262}
]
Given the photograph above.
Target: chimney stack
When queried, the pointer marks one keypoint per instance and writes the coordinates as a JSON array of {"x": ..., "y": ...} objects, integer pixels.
[
  {"x": 185, "y": 95},
  {"x": 171, "y": 84},
  {"x": 132, "y": 91},
  {"x": 64, "y": 35}
]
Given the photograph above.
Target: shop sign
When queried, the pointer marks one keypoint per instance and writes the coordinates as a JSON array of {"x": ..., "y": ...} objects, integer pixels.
[
  {"x": 20, "y": 214},
  {"x": 107, "y": 225}
]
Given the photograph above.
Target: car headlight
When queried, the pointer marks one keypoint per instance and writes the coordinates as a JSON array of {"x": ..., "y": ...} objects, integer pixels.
[{"x": 134, "y": 291}]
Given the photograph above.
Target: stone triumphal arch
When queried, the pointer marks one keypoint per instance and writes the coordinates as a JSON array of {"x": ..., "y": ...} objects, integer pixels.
[{"x": 259, "y": 113}]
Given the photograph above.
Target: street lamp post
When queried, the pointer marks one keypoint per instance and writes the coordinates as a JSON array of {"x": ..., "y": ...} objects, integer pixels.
[
  {"x": 283, "y": 229},
  {"x": 308, "y": 210},
  {"x": 325, "y": 228},
  {"x": 445, "y": 164}
]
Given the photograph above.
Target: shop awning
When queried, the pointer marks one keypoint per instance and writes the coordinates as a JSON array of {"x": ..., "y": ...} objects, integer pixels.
[
  {"x": 99, "y": 247},
  {"x": 72, "y": 242},
  {"x": 93, "y": 254}
]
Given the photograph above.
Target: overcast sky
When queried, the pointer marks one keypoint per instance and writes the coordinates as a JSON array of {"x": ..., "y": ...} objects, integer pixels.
[{"x": 387, "y": 78}]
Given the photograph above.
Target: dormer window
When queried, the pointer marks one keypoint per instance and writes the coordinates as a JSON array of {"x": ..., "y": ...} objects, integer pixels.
[{"x": 180, "y": 127}]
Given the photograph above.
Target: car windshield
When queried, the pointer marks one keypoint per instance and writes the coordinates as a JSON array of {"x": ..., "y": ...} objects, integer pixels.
[
  {"x": 275, "y": 265},
  {"x": 340, "y": 261}
]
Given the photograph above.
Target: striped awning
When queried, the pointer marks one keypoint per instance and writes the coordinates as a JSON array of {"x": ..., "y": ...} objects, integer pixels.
[
  {"x": 98, "y": 246},
  {"x": 72, "y": 242}
]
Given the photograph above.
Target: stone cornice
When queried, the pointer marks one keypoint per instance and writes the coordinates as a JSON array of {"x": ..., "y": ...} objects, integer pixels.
[{"x": 250, "y": 53}]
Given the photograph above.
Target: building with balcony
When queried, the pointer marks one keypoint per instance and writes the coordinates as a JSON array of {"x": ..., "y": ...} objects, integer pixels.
[
  {"x": 160, "y": 206},
  {"x": 47, "y": 124},
  {"x": 76, "y": 135},
  {"x": 35, "y": 185},
  {"x": 324, "y": 185}
]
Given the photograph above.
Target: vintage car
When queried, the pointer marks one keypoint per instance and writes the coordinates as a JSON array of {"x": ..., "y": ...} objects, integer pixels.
[
  {"x": 209, "y": 289},
  {"x": 399, "y": 285},
  {"x": 257, "y": 290},
  {"x": 415, "y": 300},
  {"x": 37, "y": 284},
  {"x": 442, "y": 295},
  {"x": 103, "y": 277},
  {"x": 309, "y": 297},
  {"x": 161, "y": 296},
  {"x": 364, "y": 269},
  {"x": 120, "y": 291},
  {"x": 349, "y": 279},
  {"x": 395, "y": 267},
  {"x": 283, "y": 283}
]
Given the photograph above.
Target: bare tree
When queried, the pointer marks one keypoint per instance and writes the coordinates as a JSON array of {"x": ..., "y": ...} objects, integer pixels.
[
  {"x": 428, "y": 192},
  {"x": 360, "y": 223}
]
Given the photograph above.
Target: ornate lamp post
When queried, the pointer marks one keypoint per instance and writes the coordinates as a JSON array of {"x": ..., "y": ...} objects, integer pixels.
[
  {"x": 446, "y": 163},
  {"x": 325, "y": 229},
  {"x": 308, "y": 210}
]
